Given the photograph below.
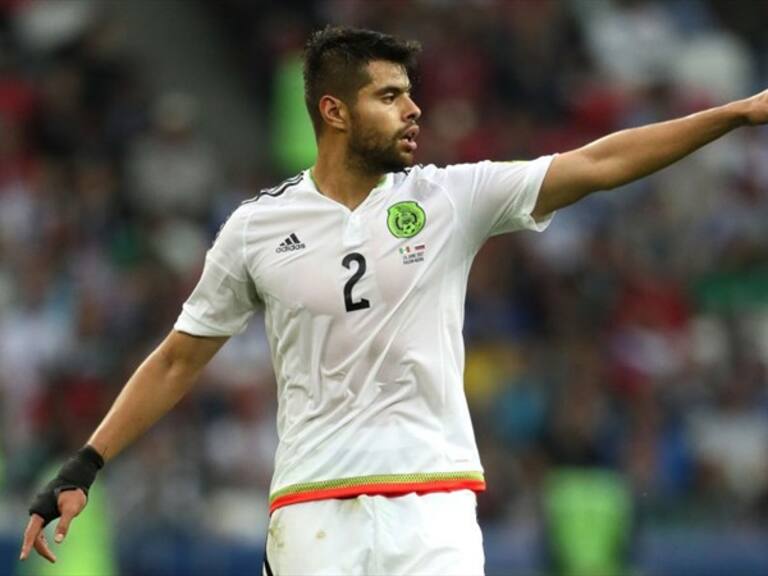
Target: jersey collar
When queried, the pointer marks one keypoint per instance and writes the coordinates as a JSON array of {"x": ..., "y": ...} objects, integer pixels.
[{"x": 385, "y": 183}]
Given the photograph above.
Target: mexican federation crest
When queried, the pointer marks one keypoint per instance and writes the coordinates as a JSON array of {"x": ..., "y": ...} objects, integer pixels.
[{"x": 405, "y": 219}]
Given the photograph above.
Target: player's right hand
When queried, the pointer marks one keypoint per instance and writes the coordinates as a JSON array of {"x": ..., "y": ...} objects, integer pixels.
[
  {"x": 70, "y": 504},
  {"x": 66, "y": 496}
]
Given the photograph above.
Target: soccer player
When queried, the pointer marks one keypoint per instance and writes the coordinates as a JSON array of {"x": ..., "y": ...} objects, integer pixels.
[{"x": 361, "y": 265}]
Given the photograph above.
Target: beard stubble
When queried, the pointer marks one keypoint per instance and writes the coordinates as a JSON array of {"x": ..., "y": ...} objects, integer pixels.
[{"x": 372, "y": 152}]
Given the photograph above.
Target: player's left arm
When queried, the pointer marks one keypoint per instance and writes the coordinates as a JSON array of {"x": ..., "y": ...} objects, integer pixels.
[{"x": 637, "y": 152}]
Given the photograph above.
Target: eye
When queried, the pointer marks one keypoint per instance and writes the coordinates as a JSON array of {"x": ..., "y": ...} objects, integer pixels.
[{"x": 388, "y": 98}]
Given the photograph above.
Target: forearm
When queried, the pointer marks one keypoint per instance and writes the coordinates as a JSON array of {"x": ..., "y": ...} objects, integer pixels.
[
  {"x": 631, "y": 154},
  {"x": 637, "y": 152},
  {"x": 156, "y": 387}
]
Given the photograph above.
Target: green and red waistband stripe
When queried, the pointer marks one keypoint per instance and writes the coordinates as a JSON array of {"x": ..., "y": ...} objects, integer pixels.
[{"x": 377, "y": 485}]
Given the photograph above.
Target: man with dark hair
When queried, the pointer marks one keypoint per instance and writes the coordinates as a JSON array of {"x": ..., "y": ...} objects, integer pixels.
[
  {"x": 361, "y": 263},
  {"x": 335, "y": 61}
]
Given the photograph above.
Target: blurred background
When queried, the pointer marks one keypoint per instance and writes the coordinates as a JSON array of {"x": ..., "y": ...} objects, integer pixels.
[{"x": 616, "y": 364}]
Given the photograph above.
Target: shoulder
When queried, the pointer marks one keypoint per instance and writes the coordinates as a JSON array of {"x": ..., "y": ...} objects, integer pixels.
[
  {"x": 473, "y": 174},
  {"x": 278, "y": 193},
  {"x": 434, "y": 172},
  {"x": 418, "y": 174},
  {"x": 443, "y": 177},
  {"x": 239, "y": 217}
]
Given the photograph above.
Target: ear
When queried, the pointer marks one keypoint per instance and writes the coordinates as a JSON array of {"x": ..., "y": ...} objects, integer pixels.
[{"x": 334, "y": 112}]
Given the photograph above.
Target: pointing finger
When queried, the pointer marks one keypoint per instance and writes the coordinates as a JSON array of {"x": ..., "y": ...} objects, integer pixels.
[{"x": 34, "y": 526}]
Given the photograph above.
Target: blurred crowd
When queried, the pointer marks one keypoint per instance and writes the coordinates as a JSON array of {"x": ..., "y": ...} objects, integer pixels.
[{"x": 632, "y": 336}]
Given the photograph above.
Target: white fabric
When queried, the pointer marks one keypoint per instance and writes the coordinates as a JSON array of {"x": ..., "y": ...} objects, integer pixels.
[
  {"x": 414, "y": 535},
  {"x": 376, "y": 390}
]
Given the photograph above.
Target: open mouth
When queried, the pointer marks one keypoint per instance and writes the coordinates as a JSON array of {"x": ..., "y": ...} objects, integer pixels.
[
  {"x": 411, "y": 134},
  {"x": 409, "y": 137}
]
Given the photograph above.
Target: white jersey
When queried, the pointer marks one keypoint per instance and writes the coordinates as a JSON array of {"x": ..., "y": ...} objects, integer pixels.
[{"x": 364, "y": 311}]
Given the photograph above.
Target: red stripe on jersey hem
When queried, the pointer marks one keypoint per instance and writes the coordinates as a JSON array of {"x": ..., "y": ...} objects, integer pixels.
[{"x": 393, "y": 489}]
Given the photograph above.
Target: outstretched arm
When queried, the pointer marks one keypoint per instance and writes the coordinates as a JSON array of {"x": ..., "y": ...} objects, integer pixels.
[
  {"x": 631, "y": 154},
  {"x": 157, "y": 385}
]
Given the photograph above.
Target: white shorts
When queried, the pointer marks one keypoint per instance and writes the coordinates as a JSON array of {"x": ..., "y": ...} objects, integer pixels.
[{"x": 432, "y": 534}]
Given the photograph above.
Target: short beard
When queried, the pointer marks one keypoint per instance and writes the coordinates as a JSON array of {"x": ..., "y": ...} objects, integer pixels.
[{"x": 373, "y": 153}]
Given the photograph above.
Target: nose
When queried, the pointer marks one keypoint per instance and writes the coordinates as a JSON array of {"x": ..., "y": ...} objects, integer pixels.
[{"x": 412, "y": 112}]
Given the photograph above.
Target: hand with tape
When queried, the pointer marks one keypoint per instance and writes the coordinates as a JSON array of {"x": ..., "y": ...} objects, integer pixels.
[{"x": 66, "y": 496}]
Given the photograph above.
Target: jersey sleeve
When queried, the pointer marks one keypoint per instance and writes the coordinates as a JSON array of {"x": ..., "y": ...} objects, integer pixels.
[
  {"x": 225, "y": 296},
  {"x": 496, "y": 197}
]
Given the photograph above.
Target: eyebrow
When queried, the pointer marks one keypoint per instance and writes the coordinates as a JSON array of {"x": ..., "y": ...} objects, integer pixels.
[{"x": 393, "y": 88}]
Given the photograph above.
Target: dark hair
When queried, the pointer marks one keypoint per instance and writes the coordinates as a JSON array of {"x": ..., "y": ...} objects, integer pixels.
[{"x": 335, "y": 59}]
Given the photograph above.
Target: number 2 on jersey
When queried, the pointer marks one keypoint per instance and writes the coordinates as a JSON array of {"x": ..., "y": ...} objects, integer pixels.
[{"x": 349, "y": 303}]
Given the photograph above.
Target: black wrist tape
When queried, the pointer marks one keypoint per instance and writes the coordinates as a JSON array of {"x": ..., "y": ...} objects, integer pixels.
[{"x": 77, "y": 472}]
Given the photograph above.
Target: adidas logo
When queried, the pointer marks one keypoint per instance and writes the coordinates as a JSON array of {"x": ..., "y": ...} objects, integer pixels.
[{"x": 290, "y": 244}]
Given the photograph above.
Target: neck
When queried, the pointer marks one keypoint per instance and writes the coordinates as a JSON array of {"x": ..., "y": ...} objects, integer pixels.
[{"x": 342, "y": 180}]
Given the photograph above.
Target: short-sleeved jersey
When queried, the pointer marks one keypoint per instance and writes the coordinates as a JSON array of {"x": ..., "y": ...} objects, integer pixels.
[{"x": 364, "y": 311}]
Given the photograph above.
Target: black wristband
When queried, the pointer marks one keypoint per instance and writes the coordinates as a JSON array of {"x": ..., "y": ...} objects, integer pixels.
[{"x": 77, "y": 472}]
